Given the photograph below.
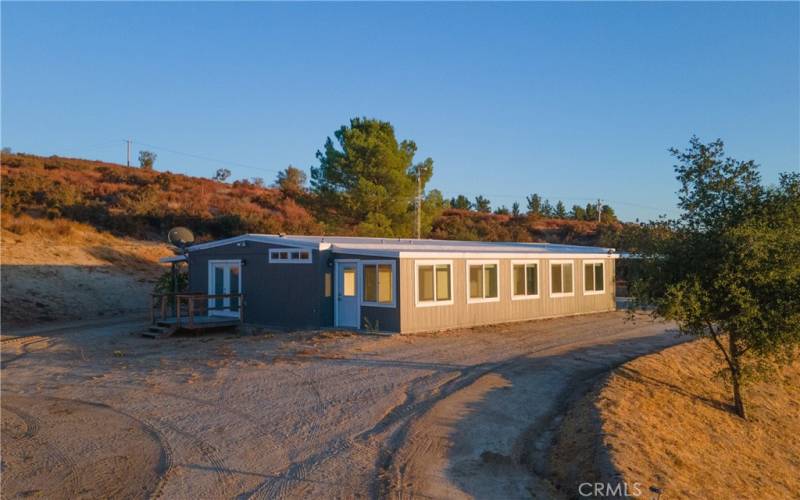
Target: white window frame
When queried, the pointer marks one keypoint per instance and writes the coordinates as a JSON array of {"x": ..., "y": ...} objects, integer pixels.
[
  {"x": 361, "y": 264},
  {"x": 583, "y": 270},
  {"x": 482, "y": 263},
  {"x": 538, "y": 279},
  {"x": 278, "y": 260},
  {"x": 434, "y": 302},
  {"x": 550, "y": 280}
]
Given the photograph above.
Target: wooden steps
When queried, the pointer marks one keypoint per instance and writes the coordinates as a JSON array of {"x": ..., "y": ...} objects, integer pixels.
[{"x": 159, "y": 330}]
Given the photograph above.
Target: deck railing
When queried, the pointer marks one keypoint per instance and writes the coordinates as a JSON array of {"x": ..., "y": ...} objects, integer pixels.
[{"x": 185, "y": 307}]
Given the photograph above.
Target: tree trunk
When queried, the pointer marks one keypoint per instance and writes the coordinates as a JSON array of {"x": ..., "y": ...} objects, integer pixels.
[
  {"x": 736, "y": 374},
  {"x": 738, "y": 403}
]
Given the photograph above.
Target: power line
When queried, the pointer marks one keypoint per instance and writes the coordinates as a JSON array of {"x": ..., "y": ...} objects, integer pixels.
[
  {"x": 515, "y": 197},
  {"x": 206, "y": 158}
]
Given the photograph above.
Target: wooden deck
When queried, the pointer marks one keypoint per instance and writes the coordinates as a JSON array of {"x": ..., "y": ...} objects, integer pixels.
[
  {"x": 170, "y": 312},
  {"x": 200, "y": 322}
]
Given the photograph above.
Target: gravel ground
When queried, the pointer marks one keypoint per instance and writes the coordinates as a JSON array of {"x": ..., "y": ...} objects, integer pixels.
[{"x": 95, "y": 410}]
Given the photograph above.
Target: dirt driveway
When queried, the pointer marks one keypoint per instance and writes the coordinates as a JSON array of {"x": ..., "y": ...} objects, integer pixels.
[{"x": 96, "y": 411}]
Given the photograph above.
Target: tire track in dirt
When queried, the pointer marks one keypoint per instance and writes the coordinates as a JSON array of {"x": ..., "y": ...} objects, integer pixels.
[
  {"x": 406, "y": 415},
  {"x": 222, "y": 473},
  {"x": 278, "y": 483},
  {"x": 22, "y": 343},
  {"x": 31, "y": 422},
  {"x": 421, "y": 394},
  {"x": 166, "y": 458},
  {"x": 70, "y": 484}
]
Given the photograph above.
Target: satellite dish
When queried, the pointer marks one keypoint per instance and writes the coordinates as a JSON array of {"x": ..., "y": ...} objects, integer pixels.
[{"x": 180, "y": 237}]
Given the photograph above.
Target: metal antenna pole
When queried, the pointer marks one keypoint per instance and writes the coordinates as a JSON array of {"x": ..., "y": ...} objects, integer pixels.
[
  {"x": 128, "y": 142},
  {"x": 599, "y": 209}
]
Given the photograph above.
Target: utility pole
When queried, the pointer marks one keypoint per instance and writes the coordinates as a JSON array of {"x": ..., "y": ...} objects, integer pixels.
[
  {"x": 128, "y": 142},
  {"x": 419, "y": 202},
  {"x": 599, "y": 209}
]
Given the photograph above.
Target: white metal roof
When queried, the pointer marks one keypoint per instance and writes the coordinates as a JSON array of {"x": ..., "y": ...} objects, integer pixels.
[
  {"x": 174, "y": 258},
  {"x": 422, "y": 248}
]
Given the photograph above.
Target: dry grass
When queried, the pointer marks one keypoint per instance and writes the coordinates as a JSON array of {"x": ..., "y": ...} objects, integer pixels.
[
  {"x": 666, "y": 421},
  {"x": 61, "y": 242},
  {"x": 60, "y": 269}
]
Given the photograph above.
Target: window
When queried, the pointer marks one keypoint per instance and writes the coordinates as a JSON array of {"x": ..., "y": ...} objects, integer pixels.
[
  {"x": 593, "y": 277},
  {"x": 328, "y": 284},
  {"x": 524, "y": 280},
  {"x": 561, "y": 278},
  {"x": 434, "y": 283},
  {"x": 349, "y": 282},
  {"x": 378, "y": 283},
  {"x": 482, "y": 281},
  {"x": 290, "y": 256}
]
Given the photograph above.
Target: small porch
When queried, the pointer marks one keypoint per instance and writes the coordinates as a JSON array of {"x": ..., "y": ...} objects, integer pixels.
[{"x": 171, "y": 312}]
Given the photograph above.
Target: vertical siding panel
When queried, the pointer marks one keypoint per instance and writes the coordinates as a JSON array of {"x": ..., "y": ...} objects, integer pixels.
[{"x": 462, "y": 314}]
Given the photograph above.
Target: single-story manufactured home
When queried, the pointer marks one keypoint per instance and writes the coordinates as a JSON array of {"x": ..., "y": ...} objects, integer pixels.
[{"x": 397, "y": 285}]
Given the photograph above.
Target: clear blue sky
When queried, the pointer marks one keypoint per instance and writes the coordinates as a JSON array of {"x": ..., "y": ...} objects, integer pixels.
[{"x": 569, "y": 100}]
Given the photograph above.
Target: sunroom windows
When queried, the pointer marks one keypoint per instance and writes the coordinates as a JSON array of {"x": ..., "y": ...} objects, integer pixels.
[
  {"x": 524, "y": 280},
  {"x": 593, "y": 277},
  {"x": 434, "y": 283},
  {"x": 561, "y": 284},
  {"x": 483, "y": 281}
]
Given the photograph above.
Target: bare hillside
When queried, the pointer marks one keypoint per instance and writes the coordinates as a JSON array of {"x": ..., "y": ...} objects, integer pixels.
[{"x": 54, "y": 270}]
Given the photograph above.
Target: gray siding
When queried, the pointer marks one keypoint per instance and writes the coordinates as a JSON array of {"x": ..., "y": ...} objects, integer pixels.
[
  {"x": 463, "y": 314},
  {"x": 283, "y": 295}
]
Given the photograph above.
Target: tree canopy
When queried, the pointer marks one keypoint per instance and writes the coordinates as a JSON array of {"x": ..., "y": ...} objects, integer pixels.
[
  {"x": 728, "y": 268},
  {"x": 461, "y": 202},
  {"x": 222, "y": 174},
  {"x": 147, "y": 159},
  {"x": 367, "y": 179},
  {"x": 482, "y": 204},
  {"x": 291, "y": 181}
]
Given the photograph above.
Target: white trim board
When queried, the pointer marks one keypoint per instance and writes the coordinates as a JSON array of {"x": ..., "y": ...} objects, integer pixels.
[
  {"x": 487, "y": 255},
  {"x": 260, "y": 238}
]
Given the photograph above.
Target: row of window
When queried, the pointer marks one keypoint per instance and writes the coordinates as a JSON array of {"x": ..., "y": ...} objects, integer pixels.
[
  {"x": 435, "y": 281},
  {"x": 289, "y": 256}
]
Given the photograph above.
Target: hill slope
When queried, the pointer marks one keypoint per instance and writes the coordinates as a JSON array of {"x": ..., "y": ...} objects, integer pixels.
[
  {"x": 665, "y": 421},
  {"x": 145, "y": 204},
  {"x": 141, "y": 203},
  {"x": 57, "y": 270}
]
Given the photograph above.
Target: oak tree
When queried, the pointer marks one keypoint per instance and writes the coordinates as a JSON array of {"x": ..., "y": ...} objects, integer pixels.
[{"x": 728, "y": 268}]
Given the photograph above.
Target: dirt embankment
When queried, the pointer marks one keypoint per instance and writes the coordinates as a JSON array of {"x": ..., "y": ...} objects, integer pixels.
[
  {"x": 56, "y": 270},
  {"x": 664, "y": 421}
]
